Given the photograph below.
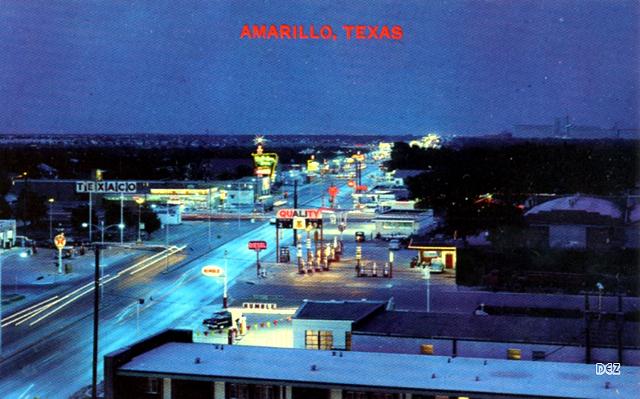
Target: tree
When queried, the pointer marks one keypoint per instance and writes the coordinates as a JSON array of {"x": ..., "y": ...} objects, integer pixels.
[
  {"x": 30, "y": 206},
  {"x": 80, "y": 215},
  {"x": 150, "y": 220},
  {"x": 112, "y": 214}
]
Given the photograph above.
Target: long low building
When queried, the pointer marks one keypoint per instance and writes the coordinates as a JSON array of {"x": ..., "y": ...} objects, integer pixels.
[
  {"x": 169, "y": 365},
  {"x": 373, "y": 326}
]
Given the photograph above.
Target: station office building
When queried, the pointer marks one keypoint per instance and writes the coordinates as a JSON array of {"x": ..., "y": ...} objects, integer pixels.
[{"x": 169, "y": 365}]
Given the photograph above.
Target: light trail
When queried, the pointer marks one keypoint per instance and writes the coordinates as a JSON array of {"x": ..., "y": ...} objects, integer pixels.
[
  {"x": 62, "y": 306},
  {"x": 6, "y": 320},
  {"x": 34, "y": 310},
  {"x": 173, "y": 251},
  {"x": 30, "y": 315}
]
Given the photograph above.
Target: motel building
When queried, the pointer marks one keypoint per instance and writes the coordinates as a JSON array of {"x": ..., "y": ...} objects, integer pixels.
[
  {"x": 169, "y": 365},
  {"x": 375, "y": 326}
]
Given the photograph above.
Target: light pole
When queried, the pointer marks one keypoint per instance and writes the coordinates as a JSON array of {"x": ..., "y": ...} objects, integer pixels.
[
  {"x": 224, "y": 292},
  {"x": 102, "y": 228},
  {"x": 139, "y": 201},
  {"x": 166, "y": 240},
  {"x": 600, "y": 288},
  {"x": 427, "y": 276},
  {"x": 209, "y": 216},
  {"x": 391, "y": 255},
  {"x": 121, "y": 217},
  {"x": 51, "y": 201}
]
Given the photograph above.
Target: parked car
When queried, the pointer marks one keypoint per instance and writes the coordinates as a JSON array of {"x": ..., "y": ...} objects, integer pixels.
[
  {"x": 219, "y": 320},
  {"x": 436, "y": 266}
]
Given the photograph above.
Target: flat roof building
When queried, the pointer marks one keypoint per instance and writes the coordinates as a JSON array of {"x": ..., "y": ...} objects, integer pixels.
[{"x": 169, "y": 365}]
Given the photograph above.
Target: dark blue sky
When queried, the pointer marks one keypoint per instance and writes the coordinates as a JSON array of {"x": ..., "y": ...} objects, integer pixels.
[{"x": 179, "y": 66}]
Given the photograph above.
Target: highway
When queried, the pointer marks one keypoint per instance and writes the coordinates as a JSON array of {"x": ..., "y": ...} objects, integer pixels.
[{"x": 52, "y": 349}]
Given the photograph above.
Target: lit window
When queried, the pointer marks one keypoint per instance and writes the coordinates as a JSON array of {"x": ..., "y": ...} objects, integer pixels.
[
  {"x": 318, "y": 339},
  {"x": 514, "y": 354},
  {"x": 426, "y": 349}
]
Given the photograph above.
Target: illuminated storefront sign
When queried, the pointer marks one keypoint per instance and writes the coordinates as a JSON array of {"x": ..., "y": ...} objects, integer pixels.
[{"x": 179, "y": 191}]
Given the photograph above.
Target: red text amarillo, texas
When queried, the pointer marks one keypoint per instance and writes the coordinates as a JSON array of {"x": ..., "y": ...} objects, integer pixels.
[{"x": 325, "y": 32}]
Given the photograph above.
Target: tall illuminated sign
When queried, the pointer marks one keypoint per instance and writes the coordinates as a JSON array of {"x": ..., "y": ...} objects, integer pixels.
[{"x": 265, "y": 162}]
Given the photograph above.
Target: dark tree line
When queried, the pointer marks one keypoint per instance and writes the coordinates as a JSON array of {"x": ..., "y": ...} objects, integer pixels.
[
  {"x": 456, "y": 181},
  {"x": 139, "y": 163}
]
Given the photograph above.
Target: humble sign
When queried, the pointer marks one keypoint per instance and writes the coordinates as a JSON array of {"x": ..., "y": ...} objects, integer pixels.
[
  {"x": 257, "y": 245},
  {"x": 106, "y": 187},
  {"x": 212, "y": 271}
]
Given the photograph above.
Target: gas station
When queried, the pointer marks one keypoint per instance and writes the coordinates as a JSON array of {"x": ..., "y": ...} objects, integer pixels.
[{"x": 427, "y": 252}]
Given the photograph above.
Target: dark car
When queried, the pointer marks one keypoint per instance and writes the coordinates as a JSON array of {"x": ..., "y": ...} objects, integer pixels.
[
  {"x": 360, "y": 237},
  {"x": 219, "y": 320}
]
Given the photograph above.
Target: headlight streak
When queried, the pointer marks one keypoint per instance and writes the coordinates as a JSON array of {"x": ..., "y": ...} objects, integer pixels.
[{"x": 34, "y": 310}]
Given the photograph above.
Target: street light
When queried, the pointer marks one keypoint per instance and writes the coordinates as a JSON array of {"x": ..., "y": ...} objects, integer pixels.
[
  {"x": 102, "y": 228},
  {"x": 427, "y": 276},
  {"x": 51, "y": 201},
  {"x": 600, "y": 288},
  {"x": 139, "y": 201}
]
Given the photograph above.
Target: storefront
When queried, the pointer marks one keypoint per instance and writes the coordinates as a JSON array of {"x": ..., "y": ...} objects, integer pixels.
[
  {"x": 7, "y": 233},
  {"x": 403, "y": 223},
  {"x": 428, "y": 253}
]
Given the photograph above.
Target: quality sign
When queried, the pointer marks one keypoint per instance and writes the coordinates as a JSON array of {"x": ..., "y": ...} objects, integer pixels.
[
  {"x": 106, "y": 187},
  {"x": 299, "y": 213}
]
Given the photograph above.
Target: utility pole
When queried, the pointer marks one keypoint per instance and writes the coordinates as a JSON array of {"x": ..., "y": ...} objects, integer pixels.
[
  {"x": 96, "y": 318},
  {"x": 587, "y": 333},
  {"x": 209, "y": 216},
  {"x": 224, "y": 292},
  {"x": 90, "y": 217},
  {"x": 166, "y": 242}
]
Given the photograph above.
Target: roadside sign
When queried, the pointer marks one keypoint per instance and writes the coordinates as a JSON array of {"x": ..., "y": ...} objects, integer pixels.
[
  {"x": 299, "y": 223},
  {"x": 314, "y": 223},
  {"x": 301, "y": 213},
  {"x": 106, "y": 186},
  {"x": 257, "y": 245},
  {"x": 212, "y": 271},
  {"x": 284, "y": 223},
  {"x": 60, "y": 241}
]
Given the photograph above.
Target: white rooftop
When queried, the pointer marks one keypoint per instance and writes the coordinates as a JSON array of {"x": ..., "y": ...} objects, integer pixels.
[
  {"x": 578, "y": 203},
  {"x": 385, "y": 370}
]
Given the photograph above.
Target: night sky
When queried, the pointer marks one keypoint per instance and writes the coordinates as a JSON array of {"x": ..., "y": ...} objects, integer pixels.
[{"x": 466, "y": 67}]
